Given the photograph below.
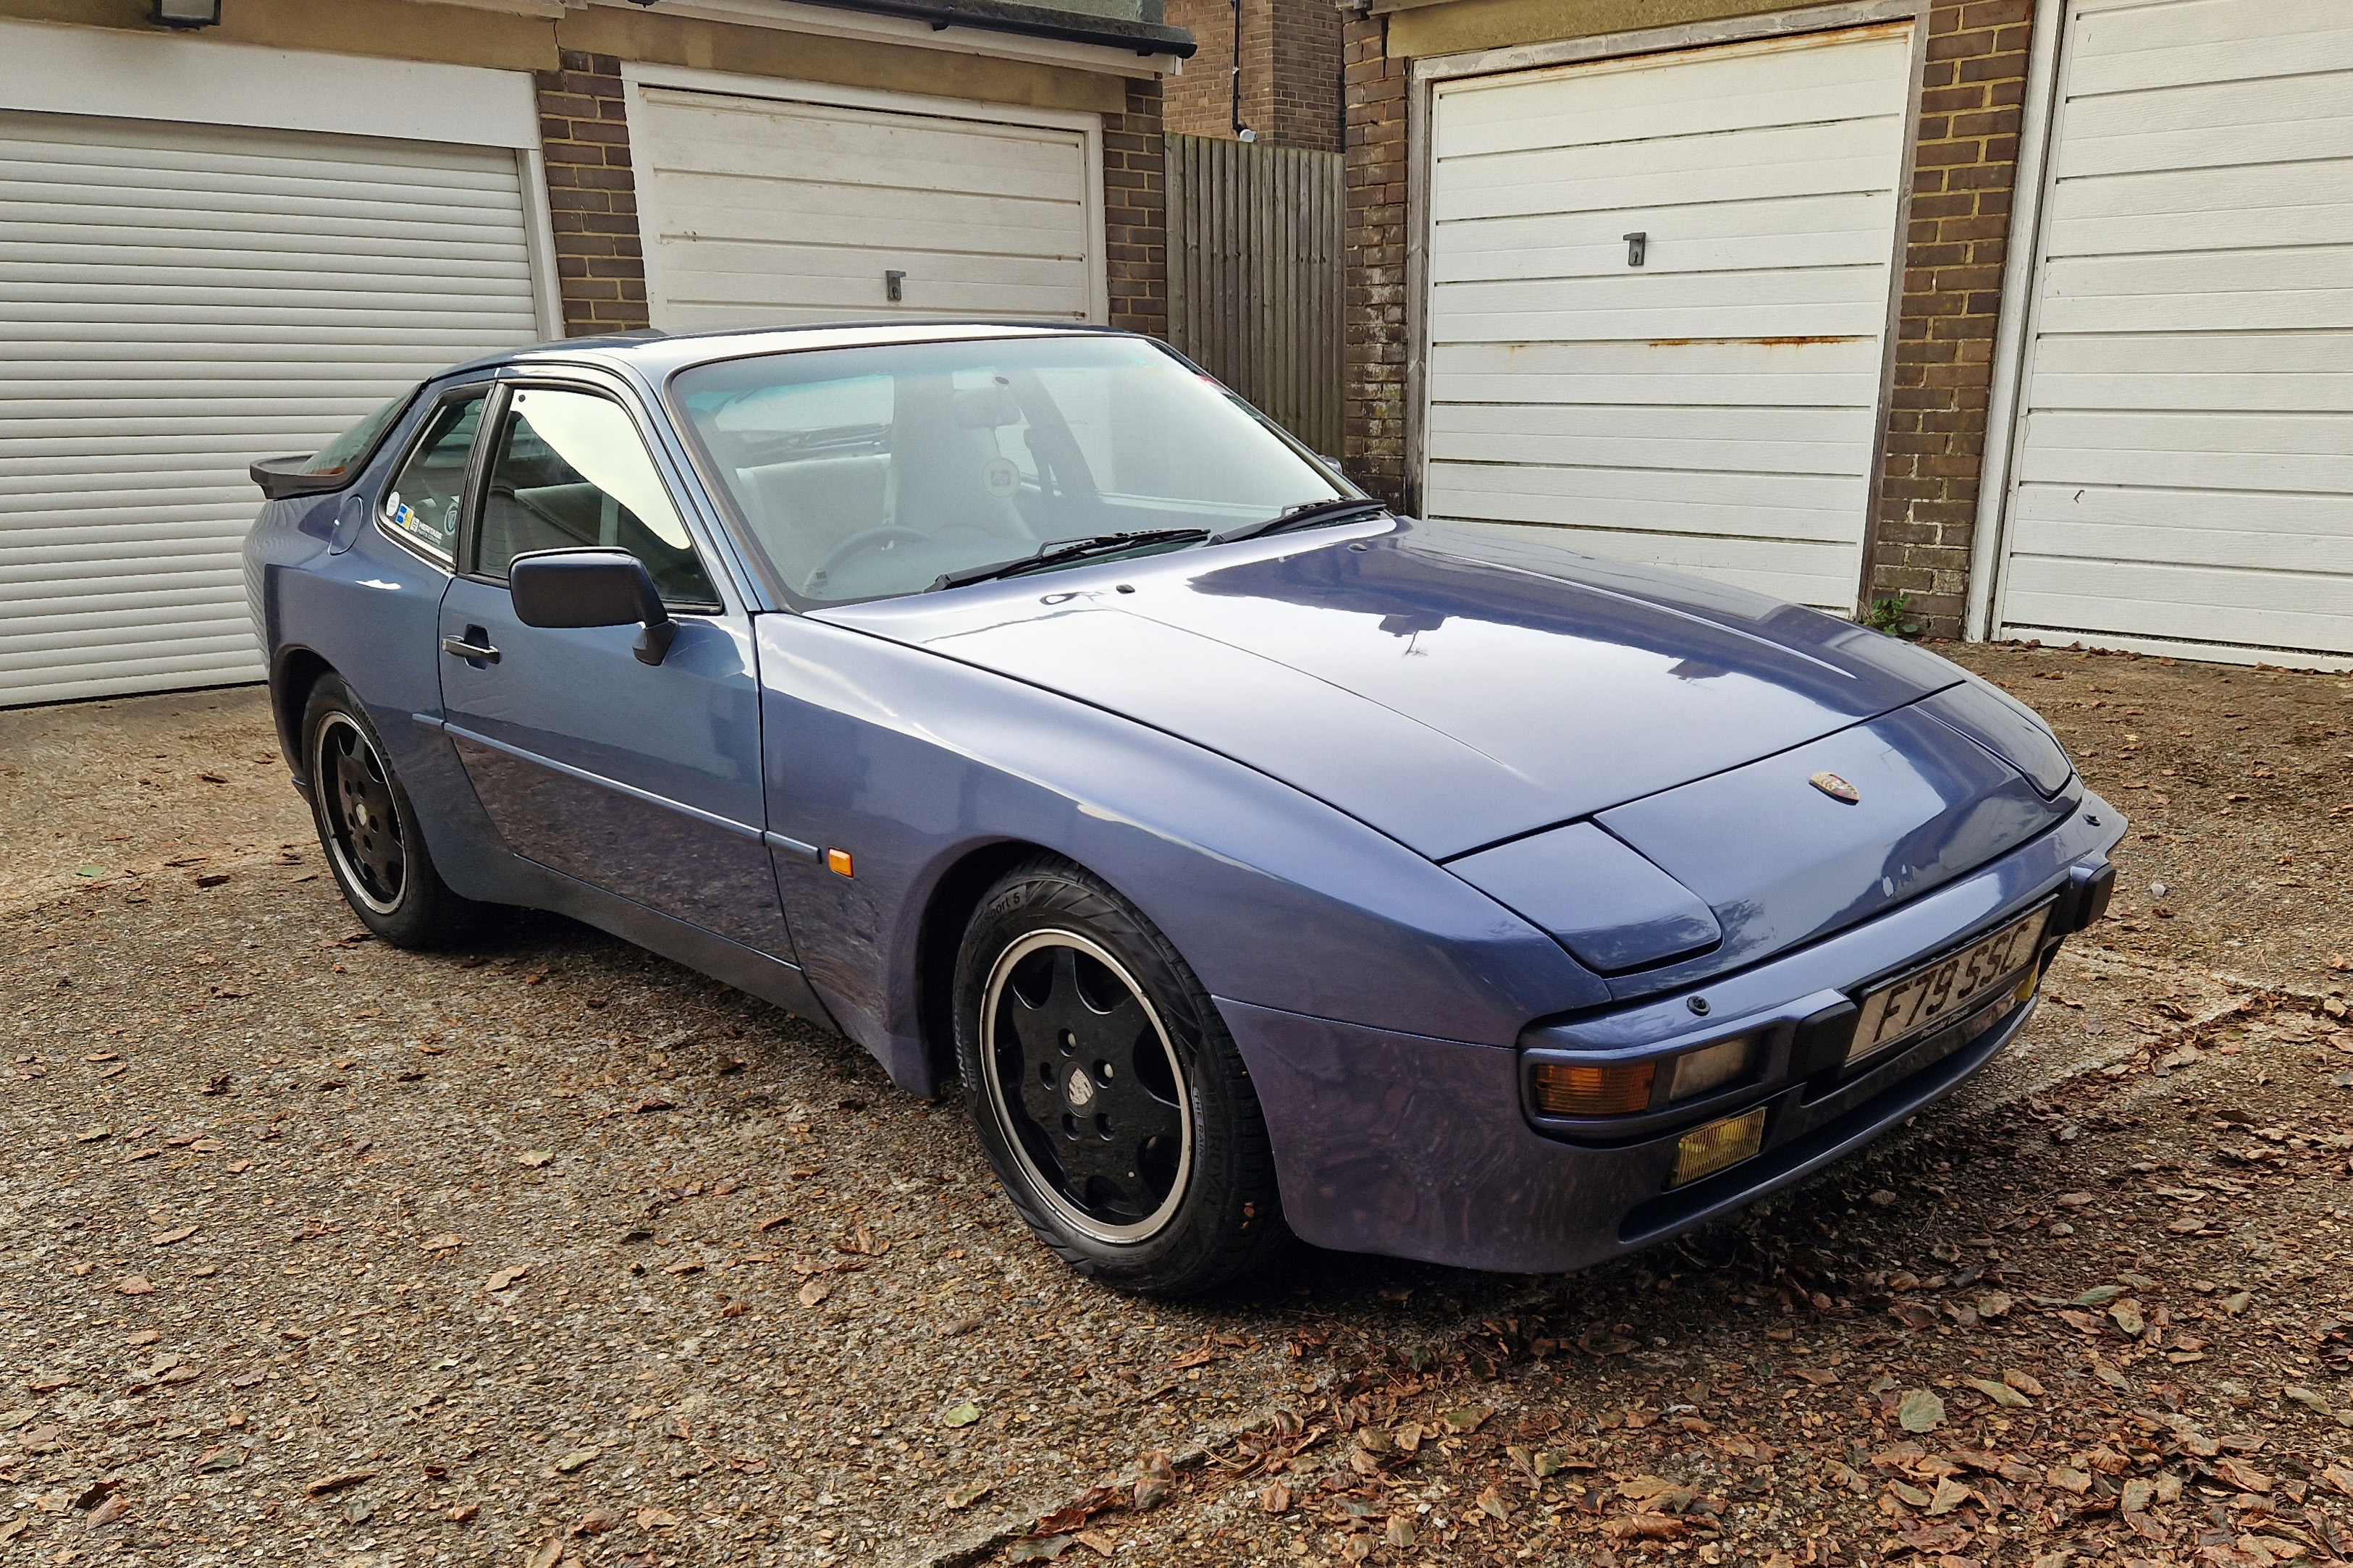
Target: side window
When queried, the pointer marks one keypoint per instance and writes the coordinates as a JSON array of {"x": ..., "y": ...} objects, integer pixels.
[
  {"x": 422, "y": 506},
  {"x": 568, "y": 470}
]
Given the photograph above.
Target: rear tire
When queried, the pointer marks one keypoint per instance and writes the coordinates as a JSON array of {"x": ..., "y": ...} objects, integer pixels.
[
  {"x": 1108, "y": 1098},
  {"x": 368, "y": 829}
]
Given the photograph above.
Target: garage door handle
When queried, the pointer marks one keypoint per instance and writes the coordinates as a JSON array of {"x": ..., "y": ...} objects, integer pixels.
[{"x": 459, "y": 648}]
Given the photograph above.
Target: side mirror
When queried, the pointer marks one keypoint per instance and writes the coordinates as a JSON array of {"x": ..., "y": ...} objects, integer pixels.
[{"x": 591, "y": 588}]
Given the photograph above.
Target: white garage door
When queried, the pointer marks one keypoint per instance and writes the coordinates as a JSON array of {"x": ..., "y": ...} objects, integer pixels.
[
  {"x": 176, "y": 301},
  {"x": 1714, "y": 407},
  {"x": 761, "y": 211},
  {"x": 2184, "y": 473}
]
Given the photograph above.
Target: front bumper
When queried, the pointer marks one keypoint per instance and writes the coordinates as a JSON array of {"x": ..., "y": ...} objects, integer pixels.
[{"x": 1420, "y": 1147}]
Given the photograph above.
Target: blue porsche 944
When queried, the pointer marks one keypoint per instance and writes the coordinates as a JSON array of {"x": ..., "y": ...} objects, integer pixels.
[{"x": 1020, "y": 704}]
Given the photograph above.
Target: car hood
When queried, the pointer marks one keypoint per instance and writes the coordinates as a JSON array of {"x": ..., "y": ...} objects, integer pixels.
[{"x": 1450, "y": 688}]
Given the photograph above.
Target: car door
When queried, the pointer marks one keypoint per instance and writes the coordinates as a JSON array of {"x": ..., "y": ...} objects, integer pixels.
[{"x": 642, "y": 780}]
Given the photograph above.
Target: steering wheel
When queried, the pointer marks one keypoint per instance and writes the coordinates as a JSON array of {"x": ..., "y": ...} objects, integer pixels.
[{"x": 863, "y": 543}]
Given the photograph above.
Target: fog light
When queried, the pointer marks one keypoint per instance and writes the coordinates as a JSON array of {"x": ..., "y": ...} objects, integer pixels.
[
  {"x": 1704, "y": 1151},
  {"x": 1607, "y": 1088},
  {"x": 1696, "y": 1072}
]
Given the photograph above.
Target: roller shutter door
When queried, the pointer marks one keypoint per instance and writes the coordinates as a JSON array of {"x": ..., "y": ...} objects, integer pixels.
[
  {"x": 762, "y": 211},
  {"x": 1715, "y": 408},
  {"x": 176, "y": 300},
  {"x": 2183, "y": 473}
]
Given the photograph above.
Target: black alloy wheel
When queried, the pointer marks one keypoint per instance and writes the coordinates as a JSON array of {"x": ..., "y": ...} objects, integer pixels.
[
  {"x": 369, "y": 830},
  {"x": 356, "y": 806},
  {"x": 1082, "y": 1075},
  {"x": 1106, "y": 1092}
]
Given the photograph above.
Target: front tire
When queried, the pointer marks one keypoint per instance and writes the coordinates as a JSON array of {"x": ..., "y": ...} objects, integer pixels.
[
  {"x": 368, "y": 829},
  {"x": 1108, "y": 1098}
]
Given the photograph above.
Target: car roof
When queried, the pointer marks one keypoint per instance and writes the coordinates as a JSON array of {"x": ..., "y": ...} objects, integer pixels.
[{"x": 656, "y": 355}]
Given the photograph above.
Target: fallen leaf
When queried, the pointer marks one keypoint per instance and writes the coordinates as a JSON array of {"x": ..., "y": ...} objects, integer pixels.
[
  {"x": 2138, "y": 1494},
  {"x": 964, "y": 1415},
  {"x": 1994, "y": 1304},
  {"x": 684, "y": 1265},
  {"x": 1467, "y": 1419},
  {"x": 1491, "y": 1501},
  {"x": 2242, "y": 1475},
  {"x": 1399, "y": 1532},
  {"x": 2099, "y": 1295},
  {"x": 1039, "y": 1549},
  {"x": 969, "y": 1494},
  {"x": 1950, "y": 1495},
  {"x": 506, "y": 1277},
  {"x": 110, "y": 1510},
  {"x": 576, "y": 1459},
  {"x": 813, "y": 1292},
  {"x": 597, "y": 1521},
  {"x": 1098, "y": 1542},
  {"x": 443, "y": 1242},
  {"x": 773, "y": 1221},
  {"x": 534, "y": 1158},
  {"x": 1275, "y": 1499},
  {"x": 1920, "y": 1411},
  {"x": 167, "y": 1238},
  {"x": 657, "y": 1519},
  {"x": 2068, "y": 1479},
  {"x": 2000, "y": 1393},
  {"x": 548, "y": 1551},
  {"x": 863, "y": 1243},
  {"x": 134, "y": 1285},
  {"x": 336, "y": 1483}
]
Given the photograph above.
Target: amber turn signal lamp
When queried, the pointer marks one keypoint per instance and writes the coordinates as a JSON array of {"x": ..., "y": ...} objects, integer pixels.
[
  {"x": 837, "y": 862},
  {"x": 1613, "y": 1089}
]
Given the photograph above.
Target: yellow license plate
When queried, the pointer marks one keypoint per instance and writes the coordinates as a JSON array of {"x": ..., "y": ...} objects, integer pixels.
[{"x": 1704, "y": 1151}]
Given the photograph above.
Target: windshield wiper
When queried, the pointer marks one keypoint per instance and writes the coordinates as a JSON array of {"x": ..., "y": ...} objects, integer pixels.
[
  {"x": 1304, "y": 515},
  {"x": 1072, "y": 550}
]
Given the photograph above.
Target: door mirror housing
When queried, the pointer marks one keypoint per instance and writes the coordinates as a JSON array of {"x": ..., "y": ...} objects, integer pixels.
[{"x": 591, "y": 588}]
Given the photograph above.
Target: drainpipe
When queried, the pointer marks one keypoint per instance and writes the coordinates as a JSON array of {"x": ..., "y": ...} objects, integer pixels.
[{"x": 1242, "y": 132}]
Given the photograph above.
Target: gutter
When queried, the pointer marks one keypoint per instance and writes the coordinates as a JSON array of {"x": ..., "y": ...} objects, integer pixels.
[{"x": 1031, "y": 21}]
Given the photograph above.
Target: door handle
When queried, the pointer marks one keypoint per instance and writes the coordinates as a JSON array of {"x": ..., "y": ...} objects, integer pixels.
[{"x": 459, "y": 648}]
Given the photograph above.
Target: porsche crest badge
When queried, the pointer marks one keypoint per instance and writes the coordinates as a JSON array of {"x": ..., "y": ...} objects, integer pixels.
[{"x": 1836, "y": 789}]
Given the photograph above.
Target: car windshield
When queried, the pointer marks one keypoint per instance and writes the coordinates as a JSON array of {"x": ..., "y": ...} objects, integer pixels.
[{"x": 865, "y": 472}]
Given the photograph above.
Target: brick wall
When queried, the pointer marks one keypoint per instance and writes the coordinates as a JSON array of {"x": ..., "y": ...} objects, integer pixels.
[
  {"x": 1301, "y": 81},
  {"x": 1966, "y": 168},
  {"x": 1136, "y": 213},
  {"x": 592, "y": 195},
  {"x": 1374, "y": 249},
  {"x": 1199, "y": 103},
  {"x": 1290, "y": 77}
]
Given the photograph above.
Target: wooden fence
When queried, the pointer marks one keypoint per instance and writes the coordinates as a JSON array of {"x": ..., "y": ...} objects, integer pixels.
[{"x": 1254, "y": 276}]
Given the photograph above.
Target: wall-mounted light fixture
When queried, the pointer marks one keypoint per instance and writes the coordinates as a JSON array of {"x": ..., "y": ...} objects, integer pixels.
[{"x": 185, "y": 14}]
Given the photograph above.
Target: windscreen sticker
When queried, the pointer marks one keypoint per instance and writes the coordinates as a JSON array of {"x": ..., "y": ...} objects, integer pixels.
[{"x": 1000, "y": 479}]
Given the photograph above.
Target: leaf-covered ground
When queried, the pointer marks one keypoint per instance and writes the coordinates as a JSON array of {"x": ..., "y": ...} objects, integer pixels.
[{"x": 553, "y": 1252}]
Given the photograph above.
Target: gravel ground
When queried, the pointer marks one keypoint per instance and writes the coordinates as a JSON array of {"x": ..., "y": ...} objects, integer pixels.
[{"x": 553, "y": 1251}]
